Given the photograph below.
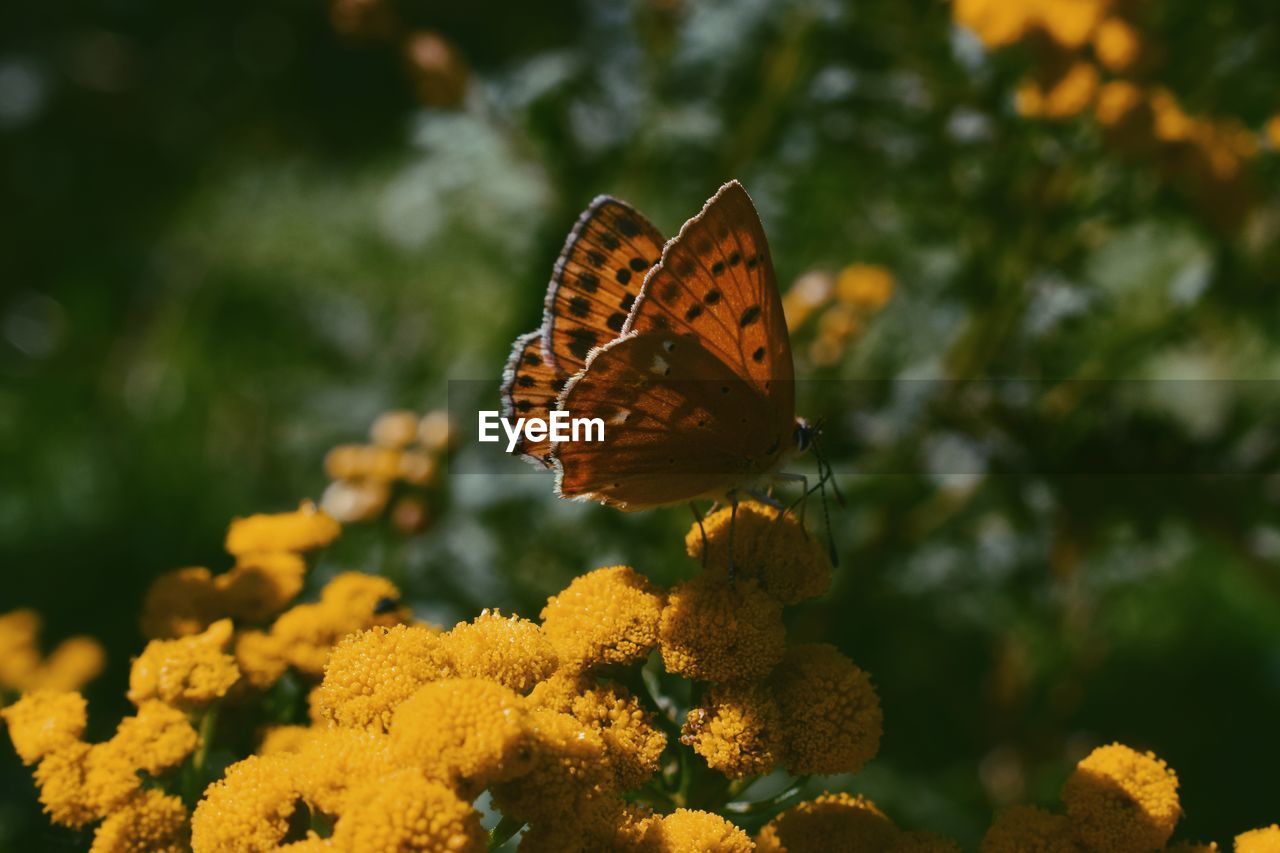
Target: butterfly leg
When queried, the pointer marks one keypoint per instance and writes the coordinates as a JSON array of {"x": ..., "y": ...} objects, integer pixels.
[
  {"x": 765, "y": 498},
  {"x": 697, "y": 516}
]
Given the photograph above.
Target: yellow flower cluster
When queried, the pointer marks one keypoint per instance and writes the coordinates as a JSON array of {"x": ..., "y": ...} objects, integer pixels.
[
  {"x": 75, "y": 662},
  {"x": 1117, "y": 800},
  {"x": 81, "y": 782},
  {"x": 268, "y": 573},
  {"x": 842, "y": 303},
  {"x": 396, "y": 469},
  {"x": 834, "y": 823},
  {"x": 1080, "y": 43}
]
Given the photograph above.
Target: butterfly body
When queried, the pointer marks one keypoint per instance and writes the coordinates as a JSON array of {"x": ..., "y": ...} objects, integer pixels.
[{"x": 696, "y": 388}]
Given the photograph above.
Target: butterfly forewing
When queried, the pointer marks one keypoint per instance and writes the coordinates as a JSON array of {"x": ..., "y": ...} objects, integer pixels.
[
  {"x": 597, "y": 280},
  {"x": 679, "y": 424},
  {"x": 530, "y": 386},
  {"x": 716, "y": 283}
]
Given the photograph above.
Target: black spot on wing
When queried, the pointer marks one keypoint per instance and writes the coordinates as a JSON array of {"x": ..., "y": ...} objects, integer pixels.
[
  {"x": 749, "y": 316},
  {"x": 616, "y": 321},
  {"x": 579, "y": 306},
  {"x": 581, "y": 342}
]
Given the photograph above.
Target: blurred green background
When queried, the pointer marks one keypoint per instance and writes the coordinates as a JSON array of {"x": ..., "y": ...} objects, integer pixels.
[{"x": 234, "y": 233}]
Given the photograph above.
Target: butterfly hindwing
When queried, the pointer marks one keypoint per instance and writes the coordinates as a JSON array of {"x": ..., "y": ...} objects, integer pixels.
[
  {"x": 678, "y": 424},
  {"x": 597, "y": 281},
  {"x": 715, "y": 282},
  {"x": 530, "y": 386}
]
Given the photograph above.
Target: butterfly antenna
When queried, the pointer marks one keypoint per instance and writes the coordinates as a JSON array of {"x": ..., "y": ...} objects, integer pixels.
[{"x": 825, "y": 474}]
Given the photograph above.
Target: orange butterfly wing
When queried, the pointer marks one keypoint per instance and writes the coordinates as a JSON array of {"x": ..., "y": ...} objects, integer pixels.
[
  {"x": 530, "y": 386},
  {"x": 678, "y": 424},
  {"x": 716, "y": 282},
  {"x": 597, "y": 281},
  {"x": 594, "y": 285}
]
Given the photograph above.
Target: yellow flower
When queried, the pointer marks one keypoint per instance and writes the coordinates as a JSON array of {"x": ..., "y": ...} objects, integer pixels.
[
  {"x": 261, "y": 584},
  {"x": 1070, "y": 22},
  {"x": 1062, "y": 96},
  {"x": 283, "y": 739},
  {"x": 1117, "y": 45},
  {"x": 712, "y": 630},
  {"x": 248, "y": 809},
  {"x": 570, "y": 770},
  {"x": 334, "y": 761},
  {"x": 188, "y": 673},
  {"x": 1172, "y": 124},
  {"x": 506, "y": 649},
  {"x": 1028, "y": 829},
  {"x": 350, "y": 602},
  {"x": 633, "y": 744},
  {"x": 302, "y": 530},
  {"x": 464, "y": 731},
  {"x": 1273, "y": 131},
  {"x": 371, "y": 673},
  {"x": 406, "y": 811},
  {"x": 1265, "y": 840},
  {"x": 19, "y": 652},
  {"x": 866, "y": 286},
  {"x": 180, "y": 603},
  {"x": 44, "y": 722},
  {"x": 693, "y": 831},
  {"x": 150, "y": 822},
  {"x": 790, "y": 565},
  {"x": 736, "y": 729},
  {"x": 608, "y": 616},
  {"x": 363, "y": 462},
  {"x": 435, "y": 432},
  {"x": 832, "y": 822},
  {"x": 1121, "y": 800},
  {"x": 74, "y": 663},
  {"x": 82, "y": 783},
  {"x": 604, "y": 824},
  {"x": 260, "y": 657},
  {"x": 994, "y": 22},
  {"x": 397, "y": 428},
  {"x": 1117, "y": 101},
  {"x": 831, "y": 718},
  {"x": 158, "y": 738}
]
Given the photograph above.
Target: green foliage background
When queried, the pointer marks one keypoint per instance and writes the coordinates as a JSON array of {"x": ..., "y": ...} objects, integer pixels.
[{"x": 234, "y": 237}]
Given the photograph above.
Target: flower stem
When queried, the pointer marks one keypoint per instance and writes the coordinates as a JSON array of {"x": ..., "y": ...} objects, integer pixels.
[{"x": 778, "y": 801}]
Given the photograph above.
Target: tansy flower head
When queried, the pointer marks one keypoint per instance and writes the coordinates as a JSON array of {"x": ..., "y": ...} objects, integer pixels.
[
  {"x": 1062, "y": 94},
  {"x": 83, "y": 783},
  {"x": 281, "y": 739},
  {"x": 180, "y": 603},
  {"x": 603, "y": 824},
  {"x": 333, "y": 761},
  {"x": 1117, "y": 45},
  {"x": 406, "y": 811},
  {"x": 188, "y": 673},
  {"x": 1121, "y": 800},
  {"x": 261, "y": 584},
  {"x": 632, "y": 743},
  {"x": 736, "y": 728},
  {"x": 350, "y": 602},
  {"x": 1070, "y": 23},
  {"x": 831, "y": 718},
  {"x": 865, "y": 286},
  {"x": 464, "y": 731},
  {"x": 149, "y": 822},
  {"x": 994, "y": 22},
  {"x": 261, "y": 658},
  {"x": 370, "y": 673},
  {"x": 713, "y": 630},
  {"x": 303, "y": 530},
  {"x": 362, "y": 462},
  {"x": 75, "y": 662},
  {"x": 248, "y": 808},
  {"x": 396, "y": 428},
  {"x": 1265, "y": 840},
  {"x": 506, "y": 649},
  {"x": 788, "y": 563},
  {"x": 570, "y": 770},
  {"x": 608, "y": 616},
  {"x": 693, "y": 831},
  {"x": 1028, "y": 829},
  {"x": 45, "y": 721},
  {"x": 158, "y": 738},
  {"x": 832, "y": 822}
]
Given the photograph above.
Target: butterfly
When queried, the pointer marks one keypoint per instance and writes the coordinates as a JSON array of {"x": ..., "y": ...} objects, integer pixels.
[{"x": 680, "y": 348}]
